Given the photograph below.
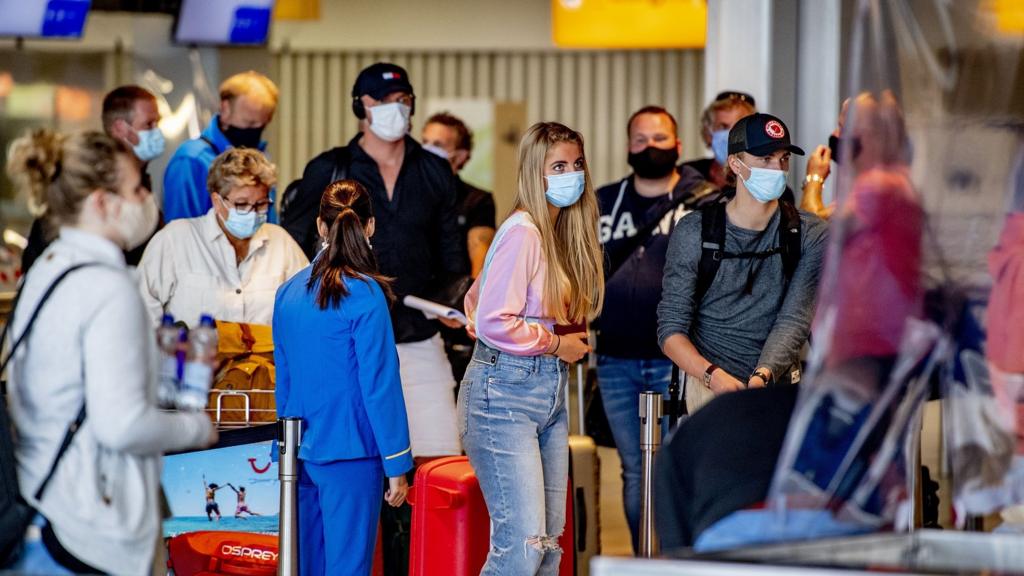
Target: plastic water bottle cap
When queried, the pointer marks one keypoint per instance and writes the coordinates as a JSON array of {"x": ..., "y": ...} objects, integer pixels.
[
  {"x": 167, "y": 320},
  {"x": 206, "y": 320}
]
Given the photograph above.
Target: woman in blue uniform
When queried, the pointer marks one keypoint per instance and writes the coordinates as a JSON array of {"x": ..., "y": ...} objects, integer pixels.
[{"x": 337, "y": 370}]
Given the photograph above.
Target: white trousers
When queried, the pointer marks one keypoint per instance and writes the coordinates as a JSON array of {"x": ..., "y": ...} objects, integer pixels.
[{"x": 429, "y": 390}]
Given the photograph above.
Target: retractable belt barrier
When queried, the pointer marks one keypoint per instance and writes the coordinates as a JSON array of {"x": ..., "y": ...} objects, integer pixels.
[
  {"x": 650, "y": 441},
  {"x": 288, "y": 441}
]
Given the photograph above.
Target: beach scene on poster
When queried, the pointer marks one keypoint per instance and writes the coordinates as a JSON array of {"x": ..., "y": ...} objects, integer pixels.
[{"x": 231, "y": 489}]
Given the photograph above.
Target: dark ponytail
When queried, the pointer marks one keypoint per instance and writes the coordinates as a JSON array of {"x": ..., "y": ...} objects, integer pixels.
[{"x": 345, "y": 208}]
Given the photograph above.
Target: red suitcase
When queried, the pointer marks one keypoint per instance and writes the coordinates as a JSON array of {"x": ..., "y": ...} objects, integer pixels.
[{"x": 451, "y": 530}]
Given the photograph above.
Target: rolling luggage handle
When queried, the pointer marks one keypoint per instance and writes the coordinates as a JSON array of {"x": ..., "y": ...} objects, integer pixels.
[
  {"x": 581, "y": 426},
  {"x": 450, "y": 499},
  {"x": 581, "y": 414},
  {"x": 581, "y": 528},
  {"x": 220, "y": 398}
]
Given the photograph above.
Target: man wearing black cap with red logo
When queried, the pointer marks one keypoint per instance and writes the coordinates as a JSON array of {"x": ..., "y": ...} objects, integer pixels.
[
  {"x": 741, "y": 277},
  {"x": 416, "y": 239}
]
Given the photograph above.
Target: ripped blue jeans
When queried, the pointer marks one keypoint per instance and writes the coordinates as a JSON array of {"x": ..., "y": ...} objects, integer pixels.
[{"x": 514, "y": 429}]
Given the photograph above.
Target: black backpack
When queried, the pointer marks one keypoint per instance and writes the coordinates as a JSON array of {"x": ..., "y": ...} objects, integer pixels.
[
  {"x": 15, "y": 512},
  {"x": 712, "y": 238},
  {"x": 300, "y": 202}
]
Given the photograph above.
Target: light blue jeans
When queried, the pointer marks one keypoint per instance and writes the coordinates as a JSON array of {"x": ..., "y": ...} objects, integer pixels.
[
  {"x": 514, "y": 428},
  {"x": 621, "y": 381}
]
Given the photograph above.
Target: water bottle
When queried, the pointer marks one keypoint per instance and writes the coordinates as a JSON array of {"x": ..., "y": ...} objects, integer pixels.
[
  {"x": 167, "y": 338},
  {"x": 200, "y": 362}
]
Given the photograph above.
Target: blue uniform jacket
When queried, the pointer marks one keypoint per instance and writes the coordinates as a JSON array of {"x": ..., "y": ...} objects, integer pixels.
[
  {"x": 337, "y": 369},
  {"x": 185, "y": 192}
]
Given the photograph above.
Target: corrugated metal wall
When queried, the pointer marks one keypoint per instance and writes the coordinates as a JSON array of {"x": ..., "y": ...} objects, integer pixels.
[{"x": 593, "y": 92}]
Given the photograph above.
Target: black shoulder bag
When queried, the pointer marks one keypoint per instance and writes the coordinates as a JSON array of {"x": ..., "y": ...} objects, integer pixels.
[
  {"x": 15, "y": 512},
  {"x": 696, "y": 196}
]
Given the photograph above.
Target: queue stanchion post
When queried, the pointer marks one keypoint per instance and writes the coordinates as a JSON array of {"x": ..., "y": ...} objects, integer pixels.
[
  {"x": 651, "y": 410},
  {"x": 288, "y": 441}
]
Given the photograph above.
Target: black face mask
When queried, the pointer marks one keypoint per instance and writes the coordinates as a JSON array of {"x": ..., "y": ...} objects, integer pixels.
[
  {"x": 244, "y": 137},
  {"x": 836, "y": 145},
  {"x": 654, "y": 163}
]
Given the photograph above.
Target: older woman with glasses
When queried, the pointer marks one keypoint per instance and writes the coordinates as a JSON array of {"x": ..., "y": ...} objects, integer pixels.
[{"x": 228, "y": 263}]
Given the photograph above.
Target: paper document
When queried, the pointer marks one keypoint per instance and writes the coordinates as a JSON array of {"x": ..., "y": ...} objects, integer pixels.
[{"x": 434, "y": 310}]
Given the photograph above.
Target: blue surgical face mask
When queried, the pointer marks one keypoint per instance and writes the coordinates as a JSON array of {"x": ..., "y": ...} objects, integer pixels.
[
  {"x": 151, "y": 144},
  {"x": 243, "y": 226},
  {"x": 720, "y": 145},
  {"x": 565, "y": 189},
  {"x": 763, "y": 184}
]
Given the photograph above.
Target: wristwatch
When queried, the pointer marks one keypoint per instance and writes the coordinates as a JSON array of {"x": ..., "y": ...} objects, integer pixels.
[
  {"x": 814, "y": 178},
  {"x": 764, "y": 374},
  {"x": 707, "y": 375}
]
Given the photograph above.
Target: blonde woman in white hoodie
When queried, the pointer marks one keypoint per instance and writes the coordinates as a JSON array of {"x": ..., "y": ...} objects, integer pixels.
[{"x": 90, "y": 347}]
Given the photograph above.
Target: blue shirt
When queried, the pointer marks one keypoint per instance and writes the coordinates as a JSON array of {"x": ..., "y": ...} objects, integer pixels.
[
  {"x": 185, "y": 192},
  {"x": 337, "y": 369}
]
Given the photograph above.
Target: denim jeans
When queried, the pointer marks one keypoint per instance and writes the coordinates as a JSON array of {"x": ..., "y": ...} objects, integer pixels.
[
  {"x": 621, "y": 381},
  {"x": 514, "y": 428}
]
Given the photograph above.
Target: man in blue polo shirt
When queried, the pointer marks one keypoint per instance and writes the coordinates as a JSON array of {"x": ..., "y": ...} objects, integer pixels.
[{"x": 247, "y": 104}]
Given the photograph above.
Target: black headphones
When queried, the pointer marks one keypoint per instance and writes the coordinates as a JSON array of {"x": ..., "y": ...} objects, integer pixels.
[{"x": 359, "y": 109}]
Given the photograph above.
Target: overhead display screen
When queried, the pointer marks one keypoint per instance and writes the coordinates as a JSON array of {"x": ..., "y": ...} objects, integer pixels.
[
  {"x": 233, "y": 22},
  {"x": 43, "y": 18}
]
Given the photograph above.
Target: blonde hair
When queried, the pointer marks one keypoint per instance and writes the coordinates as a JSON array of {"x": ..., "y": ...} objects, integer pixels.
[
  {"x": 574, "y": 284},
  {"x": 707, "y": 118},
  {"x": 238, "y": 167},
  {"x": 59, "y": 171},
  {"x": 251, "y": 84}
]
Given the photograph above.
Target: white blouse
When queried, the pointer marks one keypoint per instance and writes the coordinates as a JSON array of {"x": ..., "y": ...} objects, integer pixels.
[{"x": 189, "y": 269}]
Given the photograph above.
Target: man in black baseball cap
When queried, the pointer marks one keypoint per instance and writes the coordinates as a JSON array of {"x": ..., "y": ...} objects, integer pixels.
[
  {"x": 741, "y": 277},
  {"x": 416, "y": 239}
]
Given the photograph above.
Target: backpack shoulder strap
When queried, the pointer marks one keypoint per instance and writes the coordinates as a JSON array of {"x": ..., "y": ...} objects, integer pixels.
[
  {"x": 69, "y": 435},
  {"x": 712, "y": 247},
  {"x": 341, "y": 159},
  {"x": 210, "y": 144},
  {"x": 789, "y": 238},
  {"x": 35, "y": 313}
]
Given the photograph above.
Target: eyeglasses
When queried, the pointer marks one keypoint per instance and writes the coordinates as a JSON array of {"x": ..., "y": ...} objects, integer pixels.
[
  {"x": 243, "y": 208},
  {"x": 732, "y": 95}
]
